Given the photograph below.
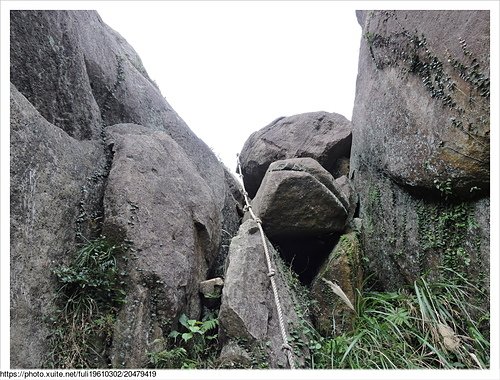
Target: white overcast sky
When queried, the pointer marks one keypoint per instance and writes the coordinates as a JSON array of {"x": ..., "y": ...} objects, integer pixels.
[{"x": 230, "y": 68}]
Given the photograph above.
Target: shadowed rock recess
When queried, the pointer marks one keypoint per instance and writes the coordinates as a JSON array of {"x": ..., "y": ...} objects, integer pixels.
[{"x": 176, "y": 275}]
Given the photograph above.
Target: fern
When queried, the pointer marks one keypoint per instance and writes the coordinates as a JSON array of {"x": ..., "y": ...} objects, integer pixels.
[{"x": 173, "y": 358}]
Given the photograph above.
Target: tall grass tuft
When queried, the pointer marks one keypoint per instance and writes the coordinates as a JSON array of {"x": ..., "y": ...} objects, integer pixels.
[
  {"x": 90, "y": 292},
  {"x": 430, "y": 325}
]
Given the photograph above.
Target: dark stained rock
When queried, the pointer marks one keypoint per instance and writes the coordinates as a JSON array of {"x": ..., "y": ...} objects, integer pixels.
[
  {"x": 405, "y": 235},
  {"x": 48, "y": 67},
  {"x": 51, "y": 186},
  {"x": 421, "y": 112},
  {"x": 232, "y": 213},
  {"x": 420, "y": 148},
  {"x": 324, "y": 136},
  {"x": 298, "y": 197},
  {"x": 331, "y": 315},
  {"x": 248, "y": 315}
]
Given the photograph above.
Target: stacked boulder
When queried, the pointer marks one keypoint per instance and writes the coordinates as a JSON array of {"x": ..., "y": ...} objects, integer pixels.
[
  {"x": 294, "y": 169},
  {"x": 298, "y": 197},
  {"x": 324, "y": 136}
]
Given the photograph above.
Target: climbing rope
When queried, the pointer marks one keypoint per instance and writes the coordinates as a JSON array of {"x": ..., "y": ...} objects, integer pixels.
[{"x": 271, "y": 272}]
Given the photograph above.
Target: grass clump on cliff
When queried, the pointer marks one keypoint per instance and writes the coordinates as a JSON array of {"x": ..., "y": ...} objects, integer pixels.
[
  {"x": 432, "y": 325},
  {"x": 90, "y": 292}
]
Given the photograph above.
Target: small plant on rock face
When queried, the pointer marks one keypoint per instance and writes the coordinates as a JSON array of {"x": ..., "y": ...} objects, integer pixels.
[
  {"x": 173, "y": 358},
  {"x": 194, "y": 328},
  {"x": 92, "y": 275},
  {"x": 444, "y": 187},
  {"x": 90, "y": 293},
  {"x": 192, "y": 347}
]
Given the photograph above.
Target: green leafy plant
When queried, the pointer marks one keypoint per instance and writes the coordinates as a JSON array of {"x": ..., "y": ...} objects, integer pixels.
[
  {"x": 444, "y": 187},
  {"x": 194, "y": 346},
  {"x": 176, "y": 357},
  {"x": 91, "y": 289},
  {"x": 194, "y": 327},
  {"x": 92, "y": 277}
]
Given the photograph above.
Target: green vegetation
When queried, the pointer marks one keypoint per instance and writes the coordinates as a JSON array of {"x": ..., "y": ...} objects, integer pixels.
[
  {"x": 195, "y": 346},
  {"x": 90, "y": 293},
  {"x": 432, "y": 325},
  {"x": 443, "y": 230}
]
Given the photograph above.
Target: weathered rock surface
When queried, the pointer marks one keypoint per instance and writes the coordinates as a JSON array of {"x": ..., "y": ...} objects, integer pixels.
[
  {"x": 348, "y": 193},
  {"x": 343, "y": 268},
  {"x": 51, "y": 178},
  {"x": 429, "y": 73},
  {"x": 298, "y": 197},
  {"x": 405, "y": 235},
  {"x": 412, "y": 163},
  {"x": 98, "y": 79},
  {"x": 324, "y": 136},
  {"x": 85, "y": 80},
  {"x": 155, "y": 198},
  {"x": 248, "y": 315}
]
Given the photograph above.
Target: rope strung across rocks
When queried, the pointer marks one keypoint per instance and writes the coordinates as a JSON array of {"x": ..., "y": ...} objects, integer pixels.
[{"x": 271, "y": 272}]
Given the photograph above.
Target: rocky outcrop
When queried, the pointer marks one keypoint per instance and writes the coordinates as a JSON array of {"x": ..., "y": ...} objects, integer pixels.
[
  {"x": 429, "y": 72},
  {"x": 156, "y": 199},
  {"x": 298, "y": 197},
  {"x": 52, "y": 183},
  {"x": 324, "y": 136},
  {"x": 96, "y": 148},
  {"x": 248, "y": 317},
  {"x": 331, "y": 314},
  {"x": 91, "y": 68},
  {"x": 421, "y": 167}
]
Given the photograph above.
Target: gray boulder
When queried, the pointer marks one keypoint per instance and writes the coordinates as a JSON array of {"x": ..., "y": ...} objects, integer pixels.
[
  {"x": 99, "y": 81},
  {"x": 324, "y": 136},
  {"x": 156, "y": 199},
  {"x": 348, "y": 194},
  {"x": 421, "y": 113},
  {"x": 248, "y": 316},
  {"x": 420, "y": 153},
  {"x": 52, "y": 186},
  {"x": 298, "y": 197},
  {"x": 331, "y": 315},
  {"x": 77, "y": 79}
]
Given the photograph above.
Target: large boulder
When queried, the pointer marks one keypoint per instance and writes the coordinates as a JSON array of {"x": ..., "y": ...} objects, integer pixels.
[
  {"x": 96, "y": 79},
  {"x": 421, "y": 144},
  {"x": 248, "y": 318},
  {"x": 324, "y": 136},
  {"x": 78, "y": 79},
  {"x": 156, "y": 199},
  {"x": 52, "y": 184},
  {"x": 298, "y": 197},
  {"x": 421, "y": 112}
]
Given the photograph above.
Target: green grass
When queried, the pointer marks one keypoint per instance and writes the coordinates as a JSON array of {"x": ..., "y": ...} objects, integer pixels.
[
  {"x": 90, "y": 293},
  {"x": 432, "y": 325}
]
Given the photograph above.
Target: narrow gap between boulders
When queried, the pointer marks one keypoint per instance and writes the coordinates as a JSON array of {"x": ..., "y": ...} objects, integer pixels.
[{"x": 306, "y": 255}]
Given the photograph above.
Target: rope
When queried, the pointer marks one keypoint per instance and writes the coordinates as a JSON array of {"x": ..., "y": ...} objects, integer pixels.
[{"x": 271, "y": 272}]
